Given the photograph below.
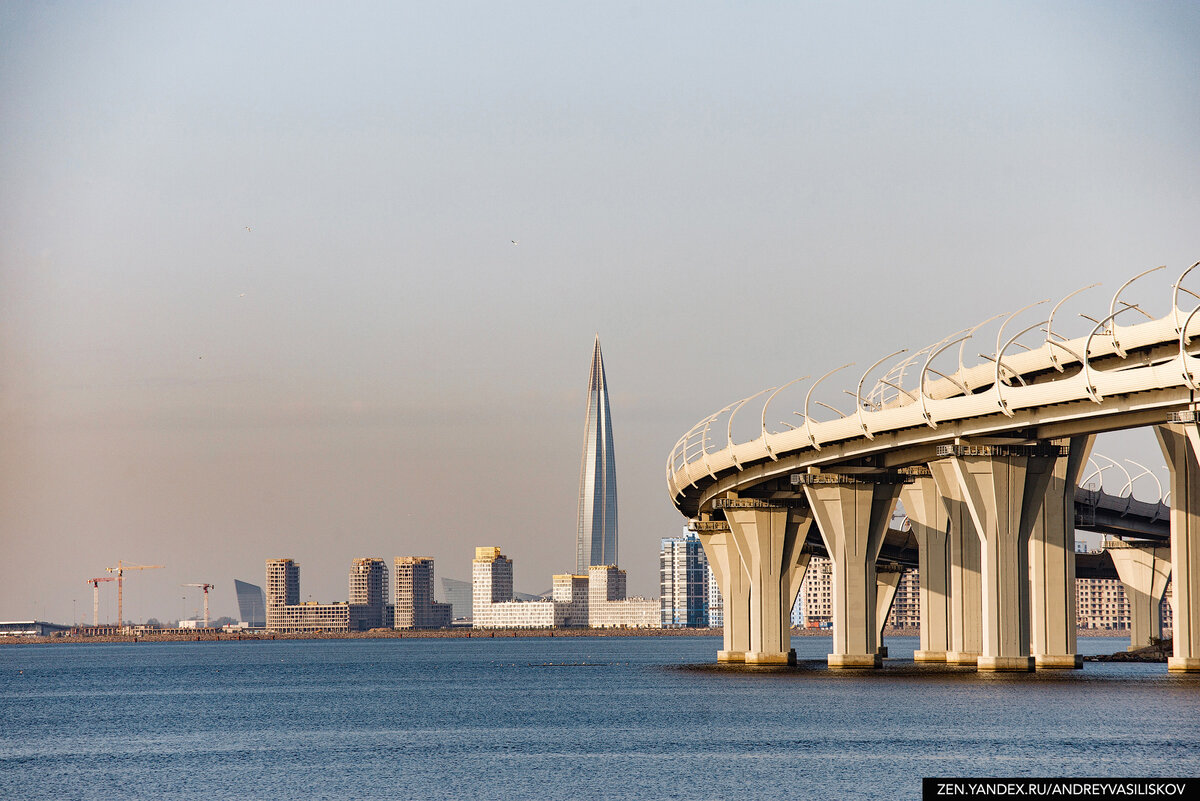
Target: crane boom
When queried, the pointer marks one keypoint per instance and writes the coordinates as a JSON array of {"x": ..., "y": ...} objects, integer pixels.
[{"x": 120, "y": 571}]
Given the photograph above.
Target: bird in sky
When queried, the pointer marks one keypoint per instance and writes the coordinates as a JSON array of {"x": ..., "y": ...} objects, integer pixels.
[
  {"x": 515, "y": 242},
  {"x": 247, "y": 229}
]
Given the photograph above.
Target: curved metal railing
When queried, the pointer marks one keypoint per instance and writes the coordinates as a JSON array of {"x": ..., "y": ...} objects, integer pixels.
[{"x": 912, "y": 394}]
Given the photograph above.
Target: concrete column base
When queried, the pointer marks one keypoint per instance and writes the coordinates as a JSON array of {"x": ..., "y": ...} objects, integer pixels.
[
  {"x": 771, "y": 658},
  {"x": 882, "y": 651},
  {"x": 731, "y": 656},
  {"x": 929, "y": 656},
  {"x": 1006, "y": 663},
  {"x": 855, "y": 660},
  {"x": 962, "y": 658},
  {"x": 1183, "y": 664},
  {"x": 1058, "y": 661}
]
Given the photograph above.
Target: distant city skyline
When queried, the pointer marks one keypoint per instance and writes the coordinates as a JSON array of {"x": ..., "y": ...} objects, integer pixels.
[{"x": 259, "y": 292}]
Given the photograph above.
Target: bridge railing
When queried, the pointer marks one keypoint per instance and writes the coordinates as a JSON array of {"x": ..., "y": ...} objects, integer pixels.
[{"x": 913, "y": 392}]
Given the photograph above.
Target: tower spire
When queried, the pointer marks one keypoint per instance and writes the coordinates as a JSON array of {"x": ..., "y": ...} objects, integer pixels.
[{"x": 596, "y": 537}]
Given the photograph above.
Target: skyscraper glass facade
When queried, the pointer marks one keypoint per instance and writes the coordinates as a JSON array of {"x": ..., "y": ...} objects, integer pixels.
[
  {"x": 252, "y": 604},
  {"x": 596, "y": 540}
]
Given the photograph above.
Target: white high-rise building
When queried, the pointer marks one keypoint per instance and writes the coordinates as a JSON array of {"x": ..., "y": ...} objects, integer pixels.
[
  {"x": 491, "y": 584},
  {"x": 683, "y": 582},
  {"x": 816, "y": 595},
  {"x": 571, "y": 599},
  {"x": 716, "y": 603}
]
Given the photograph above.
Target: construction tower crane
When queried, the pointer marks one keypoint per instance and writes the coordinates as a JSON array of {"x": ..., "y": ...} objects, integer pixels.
[
  {"x": 120, "y": 571},
  {"x": 206, "y": 588},
  {"x": 95, "y": 582}
]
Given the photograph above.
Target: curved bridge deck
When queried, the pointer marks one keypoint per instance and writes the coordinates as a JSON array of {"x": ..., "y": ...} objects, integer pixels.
[{"x": 986, "y": 460}]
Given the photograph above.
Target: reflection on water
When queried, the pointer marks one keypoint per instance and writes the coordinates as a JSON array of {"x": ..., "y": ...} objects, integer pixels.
[{"x": 560, "y": 718}]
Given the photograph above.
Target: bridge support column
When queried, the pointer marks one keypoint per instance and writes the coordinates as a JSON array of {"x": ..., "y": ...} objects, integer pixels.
[
  {"x": 769, "y": 538},
  {"x": 887, "y": 579},
  {"x": 734, "y": 583},
  {"x": 852, "y": 513},
  {"x": 1004, "y": 488},
  {"x": 965, "y": 642},
  {"x": 1180, "y": 442},
  {"x": 1052, "y": 564},
  {"x": 930, "y": 524},
  {"x": 1144, "y": 571}
]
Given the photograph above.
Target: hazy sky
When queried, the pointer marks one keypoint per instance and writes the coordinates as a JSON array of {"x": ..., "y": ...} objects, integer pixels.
[{"x": 258, "y": 295}]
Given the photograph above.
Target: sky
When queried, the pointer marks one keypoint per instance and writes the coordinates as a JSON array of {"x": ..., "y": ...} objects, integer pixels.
[{"x": 260, "y": 297}]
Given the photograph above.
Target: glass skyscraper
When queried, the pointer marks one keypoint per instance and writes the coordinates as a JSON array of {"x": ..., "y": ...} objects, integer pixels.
[
  {"x": 252, "y": 604},
  {"x": 596, "y": 540}
]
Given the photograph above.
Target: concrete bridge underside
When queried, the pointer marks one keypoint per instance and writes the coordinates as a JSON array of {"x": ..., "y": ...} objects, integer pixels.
[{"x": 986, "y": 461}]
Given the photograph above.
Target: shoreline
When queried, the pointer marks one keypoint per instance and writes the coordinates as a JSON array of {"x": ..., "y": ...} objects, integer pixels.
[{"x": 186, "y": 635}]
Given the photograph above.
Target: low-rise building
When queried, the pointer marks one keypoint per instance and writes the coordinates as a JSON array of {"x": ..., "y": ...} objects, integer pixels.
[
  {"x": 310, "y": 617},
  {"x": 608, "y": 607},
  {"x": 597, "y": 599},
  {"x": 33, "y": 628}
]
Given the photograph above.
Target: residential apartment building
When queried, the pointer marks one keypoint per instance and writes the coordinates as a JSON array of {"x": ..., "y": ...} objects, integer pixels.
[
  {"x": 414, "y": 604},
  {"x": 491, "y": 584},
  {"x": 570, "y": 596},
  {"x": 906, "y": 604},
  {"x": 814, "y": 602},
  {"x": 597, "y": 599},
  {"x": 1100, "y": 602},
  {"x": 716, "y": 603},
  {"x": 369, "y": 592},
  {"x": 283, "y": 590},
  {"x": 608, "y": 606},
  {"x": 683, "y": 582},
  {"x": 310, "y": 617},
  {"x": 285, "y": 613},
  {"x": 283, "y": 582},
  {"x": 492, "y": 604}
]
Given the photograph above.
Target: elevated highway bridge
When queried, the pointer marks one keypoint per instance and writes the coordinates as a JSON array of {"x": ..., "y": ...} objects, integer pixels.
[{"x": 986, "y": 460}]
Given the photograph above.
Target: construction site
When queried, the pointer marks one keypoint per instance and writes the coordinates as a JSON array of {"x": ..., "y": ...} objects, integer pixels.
[{"x": 105, "y": 627}]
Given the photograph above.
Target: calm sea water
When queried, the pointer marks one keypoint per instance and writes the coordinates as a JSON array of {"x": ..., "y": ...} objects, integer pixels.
[{"x": 561, "y": 718}]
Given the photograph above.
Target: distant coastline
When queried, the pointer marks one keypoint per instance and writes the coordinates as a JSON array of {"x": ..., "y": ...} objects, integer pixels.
[{"x": 186, "y": 635}]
